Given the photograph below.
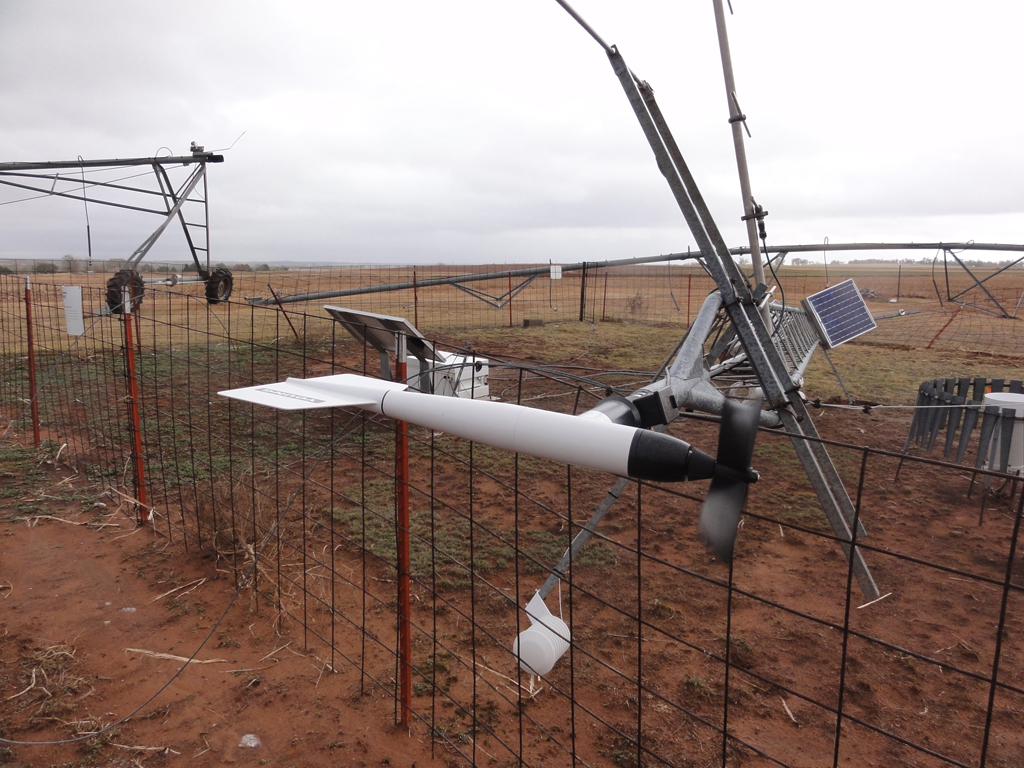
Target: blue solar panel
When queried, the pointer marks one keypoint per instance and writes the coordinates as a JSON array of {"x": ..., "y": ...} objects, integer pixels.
[{"x": 839, "y": 314}]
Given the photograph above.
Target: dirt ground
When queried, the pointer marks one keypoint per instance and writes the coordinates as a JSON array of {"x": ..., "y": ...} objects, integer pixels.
[
  {"x": 86, "y": 600},
  {"x": 84, "y": 605}
]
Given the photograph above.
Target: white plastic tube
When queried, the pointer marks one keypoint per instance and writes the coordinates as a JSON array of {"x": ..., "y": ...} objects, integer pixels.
[
  {"x": 596, "y": 443},
  {"x": 556, "y": 436}
]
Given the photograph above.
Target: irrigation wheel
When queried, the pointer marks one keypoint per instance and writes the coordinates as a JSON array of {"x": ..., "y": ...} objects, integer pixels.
[
  {"x": 115, "y": 289},
  {"x": 219, "y": 285}
]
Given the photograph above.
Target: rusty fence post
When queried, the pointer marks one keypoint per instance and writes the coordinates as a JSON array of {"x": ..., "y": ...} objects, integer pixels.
[
  {"x": 32, "y": 394},
  {"x": 402, "y": 524},
  {"x": 135, "y": 422}
]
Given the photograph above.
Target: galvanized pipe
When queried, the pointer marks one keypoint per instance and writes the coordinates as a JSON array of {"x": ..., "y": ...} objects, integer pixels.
[
  {"x": 57, "y": 164},
  {"x": 736, "y": 122},
  {"x": 472, "y": 277}
]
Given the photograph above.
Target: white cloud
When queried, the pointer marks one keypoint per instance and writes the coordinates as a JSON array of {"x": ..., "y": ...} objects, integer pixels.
[{"x": 476, "y": 132}]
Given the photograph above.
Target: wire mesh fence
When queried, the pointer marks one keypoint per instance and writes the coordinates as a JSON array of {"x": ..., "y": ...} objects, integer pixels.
[
  {"x": 917, "y": 306},
  {"x": 672, "y": 658}
]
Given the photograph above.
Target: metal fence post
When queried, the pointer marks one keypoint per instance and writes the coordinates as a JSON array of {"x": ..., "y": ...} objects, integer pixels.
[
  {"x": 604, "y": 303},
  {"x": 33, "y": 399},
  {"x": 135, "y": 422},
  {"x": 583, "y": 291},
  {"x": 402, "y": 520}
]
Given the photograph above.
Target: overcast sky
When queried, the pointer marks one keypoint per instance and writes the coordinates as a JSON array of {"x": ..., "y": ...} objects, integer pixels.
[{"x": 476, "y": 131}]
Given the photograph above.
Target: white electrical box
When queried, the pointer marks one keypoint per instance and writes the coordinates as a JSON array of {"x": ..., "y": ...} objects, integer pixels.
[{"x": 455, "y": 376}]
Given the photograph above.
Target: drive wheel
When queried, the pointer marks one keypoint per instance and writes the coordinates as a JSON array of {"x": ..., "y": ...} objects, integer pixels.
[
  {"x": 219, "y": 285},
  {"x": 115, "y": 289}
]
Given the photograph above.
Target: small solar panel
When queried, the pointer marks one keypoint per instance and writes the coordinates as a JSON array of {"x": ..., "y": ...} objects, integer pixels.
[
  {"x": 839, "y": 314},
  {"x": 380, "y": 332}
]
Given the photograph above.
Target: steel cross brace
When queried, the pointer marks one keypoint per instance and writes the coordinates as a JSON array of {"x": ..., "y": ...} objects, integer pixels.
[
  {"x": 980, "y": 284},
  {"x": 172, "y": 211},
  {"x": 497, "y": 302},
  {"x": 165, "y": 184},
  {"x": 778, "y": 387}
]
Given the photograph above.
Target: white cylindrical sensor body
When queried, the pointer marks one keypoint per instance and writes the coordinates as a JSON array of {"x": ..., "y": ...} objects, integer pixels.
[{"x": 556, "y": 436}]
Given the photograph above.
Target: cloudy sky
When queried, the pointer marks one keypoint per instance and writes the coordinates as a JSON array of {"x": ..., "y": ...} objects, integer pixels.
[{"x": 476, "y": 131}]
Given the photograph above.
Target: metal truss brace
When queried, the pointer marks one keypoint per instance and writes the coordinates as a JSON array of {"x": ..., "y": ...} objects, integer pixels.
[
  {"x": 778, "y": 386},
  {"x": 187, "y": 188},
  {"x": 495, "y": 301}
]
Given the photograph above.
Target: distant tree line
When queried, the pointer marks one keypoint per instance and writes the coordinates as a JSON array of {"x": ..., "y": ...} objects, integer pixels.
[{"x": 75, "y": 265}]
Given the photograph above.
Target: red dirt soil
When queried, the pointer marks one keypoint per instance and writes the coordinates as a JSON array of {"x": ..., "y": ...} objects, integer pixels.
[
  {"x": 64, "y": 590},
  {"x": 73, "y": 599}
]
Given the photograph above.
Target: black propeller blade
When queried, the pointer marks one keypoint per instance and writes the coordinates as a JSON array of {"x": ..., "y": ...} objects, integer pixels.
[{"x": 720, "y": 514}]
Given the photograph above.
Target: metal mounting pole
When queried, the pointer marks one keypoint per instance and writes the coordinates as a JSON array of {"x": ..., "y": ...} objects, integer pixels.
[
  {"x": 736, "y": 120},
  {"x": 779, "y": 388},
  {"x": 402, "y": 519}
]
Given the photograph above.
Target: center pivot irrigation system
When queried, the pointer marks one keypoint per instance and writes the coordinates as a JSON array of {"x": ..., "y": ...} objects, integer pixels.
[
  {"x": 741, "y": 345},
  {"x": 188, "y": 203}
]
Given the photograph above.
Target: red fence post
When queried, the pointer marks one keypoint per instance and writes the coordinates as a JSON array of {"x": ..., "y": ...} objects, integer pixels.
[
  {"x": 33, "y": 399},
  {"x": 402, "y": 514},
  {"x": 135, "y": 421}
]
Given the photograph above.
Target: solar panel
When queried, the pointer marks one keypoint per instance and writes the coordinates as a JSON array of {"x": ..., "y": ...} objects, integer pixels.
[
  {"x": 839, "y": 314},
  {"x": 381, "y": 331}
]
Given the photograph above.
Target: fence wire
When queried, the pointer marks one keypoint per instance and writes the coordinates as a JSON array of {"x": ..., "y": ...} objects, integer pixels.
[{"x": 674, "y": 659}]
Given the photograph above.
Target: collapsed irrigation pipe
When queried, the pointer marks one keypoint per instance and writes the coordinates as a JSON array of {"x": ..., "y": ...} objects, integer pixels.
[{"x": 585, "y": 265}]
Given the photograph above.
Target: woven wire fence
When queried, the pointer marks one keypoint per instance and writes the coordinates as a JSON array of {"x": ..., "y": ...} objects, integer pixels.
[
  {"x": 674, "y": 659},
  {"x": 938, "y": 307}
]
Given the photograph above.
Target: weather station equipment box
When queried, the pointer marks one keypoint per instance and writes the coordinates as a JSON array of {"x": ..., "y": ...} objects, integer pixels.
[{"x": 453, "y": 376}]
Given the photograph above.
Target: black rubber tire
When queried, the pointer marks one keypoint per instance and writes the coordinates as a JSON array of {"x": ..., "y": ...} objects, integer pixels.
[
  {"x": 219, "y": 285},
  {"x": 115, "y": 289}
]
